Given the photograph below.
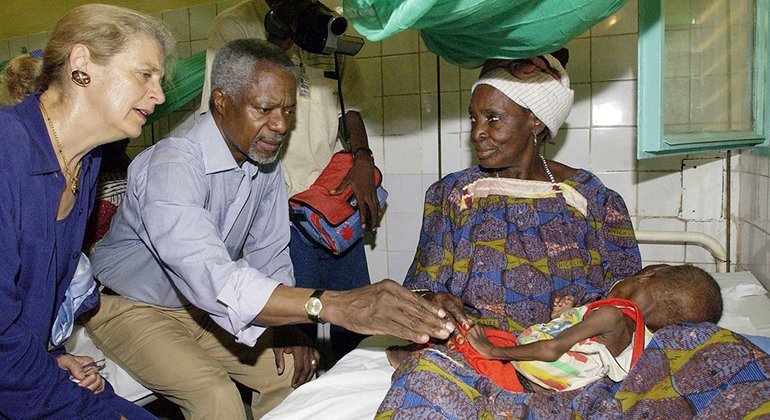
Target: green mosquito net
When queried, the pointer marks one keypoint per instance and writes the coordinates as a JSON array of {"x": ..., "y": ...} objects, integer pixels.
[
  {"x": 467, "y": 32},
  {"x": 184, "y": 85}
]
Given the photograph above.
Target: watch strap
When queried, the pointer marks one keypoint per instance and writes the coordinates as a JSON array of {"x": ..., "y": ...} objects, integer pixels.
[{"x": 315, "y": 318}]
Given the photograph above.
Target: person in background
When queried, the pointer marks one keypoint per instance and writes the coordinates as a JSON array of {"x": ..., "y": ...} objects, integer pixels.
[
  {"x": 196, "y": 261},
  {"x": 100, "y": 79},
  {"x": 18, "y": 78},
  {"x": 309, "y": 147}
]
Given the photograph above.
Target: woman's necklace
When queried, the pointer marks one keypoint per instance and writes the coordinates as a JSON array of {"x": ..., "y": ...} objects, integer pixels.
[
  {"x": 545, "y": 166},
  {"x": 74, "y": 179},
  {"x": 547, "y": 170}
]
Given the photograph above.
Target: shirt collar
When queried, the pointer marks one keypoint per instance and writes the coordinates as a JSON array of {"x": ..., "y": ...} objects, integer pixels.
[
  {"x": 216, "y": 155},
  {"x": 43, "y": 158}
]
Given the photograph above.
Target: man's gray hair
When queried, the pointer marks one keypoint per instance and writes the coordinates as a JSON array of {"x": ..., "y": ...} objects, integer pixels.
[{"x": 235, "y": 63}]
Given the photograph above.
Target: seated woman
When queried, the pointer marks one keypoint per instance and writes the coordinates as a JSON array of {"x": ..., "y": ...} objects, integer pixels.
[
  {"x": 100, "y": 78},
  {"x": 504, "y": 239}
]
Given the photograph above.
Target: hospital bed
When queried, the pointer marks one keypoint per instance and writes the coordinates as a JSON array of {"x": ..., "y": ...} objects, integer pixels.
[{"x": 355, "y": 386}]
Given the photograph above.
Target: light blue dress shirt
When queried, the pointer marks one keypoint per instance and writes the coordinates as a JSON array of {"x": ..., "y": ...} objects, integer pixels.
[
  {"x": 188, "y": 214},
  {"x": 80, "y": 288}
]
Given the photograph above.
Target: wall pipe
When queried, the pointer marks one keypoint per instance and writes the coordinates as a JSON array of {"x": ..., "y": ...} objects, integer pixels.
[{"x": 697, "y": 238}]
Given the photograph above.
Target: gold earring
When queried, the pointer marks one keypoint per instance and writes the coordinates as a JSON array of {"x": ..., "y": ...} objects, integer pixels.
[{"x": 80, "y": 78}]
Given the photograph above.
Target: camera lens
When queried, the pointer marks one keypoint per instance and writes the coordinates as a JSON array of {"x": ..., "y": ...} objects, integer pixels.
[{"x": 338, "y": 25}]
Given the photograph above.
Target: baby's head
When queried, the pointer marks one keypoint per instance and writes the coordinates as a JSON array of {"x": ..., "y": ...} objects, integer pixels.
[{"x": 670, "y": 295}]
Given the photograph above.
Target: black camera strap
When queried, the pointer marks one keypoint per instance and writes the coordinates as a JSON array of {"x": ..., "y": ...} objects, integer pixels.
[{"x": 343, "y": 124}]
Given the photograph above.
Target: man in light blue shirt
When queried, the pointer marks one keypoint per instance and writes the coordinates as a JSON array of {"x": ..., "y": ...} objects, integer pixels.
[{"x": 196, "y": 261}]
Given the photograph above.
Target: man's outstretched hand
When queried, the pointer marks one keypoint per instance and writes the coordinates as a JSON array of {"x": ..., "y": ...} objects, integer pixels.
[{"x": 387, "y": 307}]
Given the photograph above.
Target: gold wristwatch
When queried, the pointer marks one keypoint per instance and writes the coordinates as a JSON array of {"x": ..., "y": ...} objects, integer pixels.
[{"x": 313, "y": 306}]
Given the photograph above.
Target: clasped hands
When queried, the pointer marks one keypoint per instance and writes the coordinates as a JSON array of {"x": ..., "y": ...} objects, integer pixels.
[
  {"x": 83, "y": 371},
  {"x": 474, "y": 333}
]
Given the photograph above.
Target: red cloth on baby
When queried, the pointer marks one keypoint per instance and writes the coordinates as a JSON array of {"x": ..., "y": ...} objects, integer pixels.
[{"x": 500, "y": 372}]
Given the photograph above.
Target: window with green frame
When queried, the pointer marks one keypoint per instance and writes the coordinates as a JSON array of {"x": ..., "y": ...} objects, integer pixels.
[{"x": 703, "y": 76}]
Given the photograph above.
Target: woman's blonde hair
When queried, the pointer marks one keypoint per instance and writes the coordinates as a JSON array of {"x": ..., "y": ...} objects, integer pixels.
[
  {"x": 104, "y": 30},
  {"x": 18, "y": 79}
]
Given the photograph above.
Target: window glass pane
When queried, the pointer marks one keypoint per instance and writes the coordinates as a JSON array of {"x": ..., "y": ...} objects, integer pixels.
[{"x": 708, "y": 70}]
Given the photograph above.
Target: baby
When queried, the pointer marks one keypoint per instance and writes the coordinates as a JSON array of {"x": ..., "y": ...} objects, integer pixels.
[{"x": 604, "y": 338}]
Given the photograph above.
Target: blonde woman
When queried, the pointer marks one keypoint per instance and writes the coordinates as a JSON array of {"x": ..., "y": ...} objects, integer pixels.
[{"x": 100, "y": 79}]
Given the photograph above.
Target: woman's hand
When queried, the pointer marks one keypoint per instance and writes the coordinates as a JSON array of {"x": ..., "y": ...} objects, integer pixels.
[
  {"x": 452, "y": 305},
  {"x": 83, "y": 371}
]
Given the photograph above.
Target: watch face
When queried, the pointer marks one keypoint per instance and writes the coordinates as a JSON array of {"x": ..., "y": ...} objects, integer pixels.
[{"x": 313, "y": 306}]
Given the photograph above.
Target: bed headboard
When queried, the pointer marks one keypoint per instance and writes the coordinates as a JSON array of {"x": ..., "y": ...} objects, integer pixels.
[{"x": 695, "y": 238}]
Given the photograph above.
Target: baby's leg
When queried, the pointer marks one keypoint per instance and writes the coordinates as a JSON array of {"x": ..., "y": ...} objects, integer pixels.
[{"x": 562, "y": 304}]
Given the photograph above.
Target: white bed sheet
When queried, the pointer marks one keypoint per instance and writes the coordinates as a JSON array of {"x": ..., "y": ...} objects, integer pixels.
[
  {"x": 746, "y": 303},
  {"x": 351, "y": 389},
  {"x": 125, "y": 386},
  {"x": 355, "y": 386}
]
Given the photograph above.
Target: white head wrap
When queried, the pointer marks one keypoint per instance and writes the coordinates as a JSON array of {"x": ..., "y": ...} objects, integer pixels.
[{"x": 549, "y": 99}]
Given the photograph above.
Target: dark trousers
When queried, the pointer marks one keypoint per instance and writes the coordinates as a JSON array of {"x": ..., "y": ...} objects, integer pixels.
[{"x": 317, "y": 268}]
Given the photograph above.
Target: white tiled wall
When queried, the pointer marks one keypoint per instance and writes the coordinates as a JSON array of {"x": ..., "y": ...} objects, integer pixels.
[
  {"x": 754, "y": 216},
  {"x": 403, "y": 120}
]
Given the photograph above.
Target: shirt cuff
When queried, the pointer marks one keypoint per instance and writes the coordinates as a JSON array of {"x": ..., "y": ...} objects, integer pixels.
[{"x": 245, "y": 296}]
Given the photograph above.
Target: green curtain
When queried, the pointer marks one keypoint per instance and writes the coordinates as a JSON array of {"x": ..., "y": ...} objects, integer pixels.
[
  {"x": 467, "y": 32},
  {"x": 185, "y": 85}
]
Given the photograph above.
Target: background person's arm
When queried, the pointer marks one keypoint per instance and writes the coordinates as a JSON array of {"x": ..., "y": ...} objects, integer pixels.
[{"x": 360, "y": 178}]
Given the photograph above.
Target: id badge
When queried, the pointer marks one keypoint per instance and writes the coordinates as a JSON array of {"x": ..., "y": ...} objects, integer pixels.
[{"x": 304, "y": 86}]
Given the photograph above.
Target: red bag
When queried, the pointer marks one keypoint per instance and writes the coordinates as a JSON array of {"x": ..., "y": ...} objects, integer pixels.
[{"x": 332, "y": 221}]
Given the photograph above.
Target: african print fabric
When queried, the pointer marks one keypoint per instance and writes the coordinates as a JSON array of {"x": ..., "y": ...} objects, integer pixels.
[
  {"x": 507, "y": 257},
  {"x": 696, "y": 370}
]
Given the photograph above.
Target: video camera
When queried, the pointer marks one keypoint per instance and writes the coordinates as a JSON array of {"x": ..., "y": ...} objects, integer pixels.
[{"x": 312, "y": 26}]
